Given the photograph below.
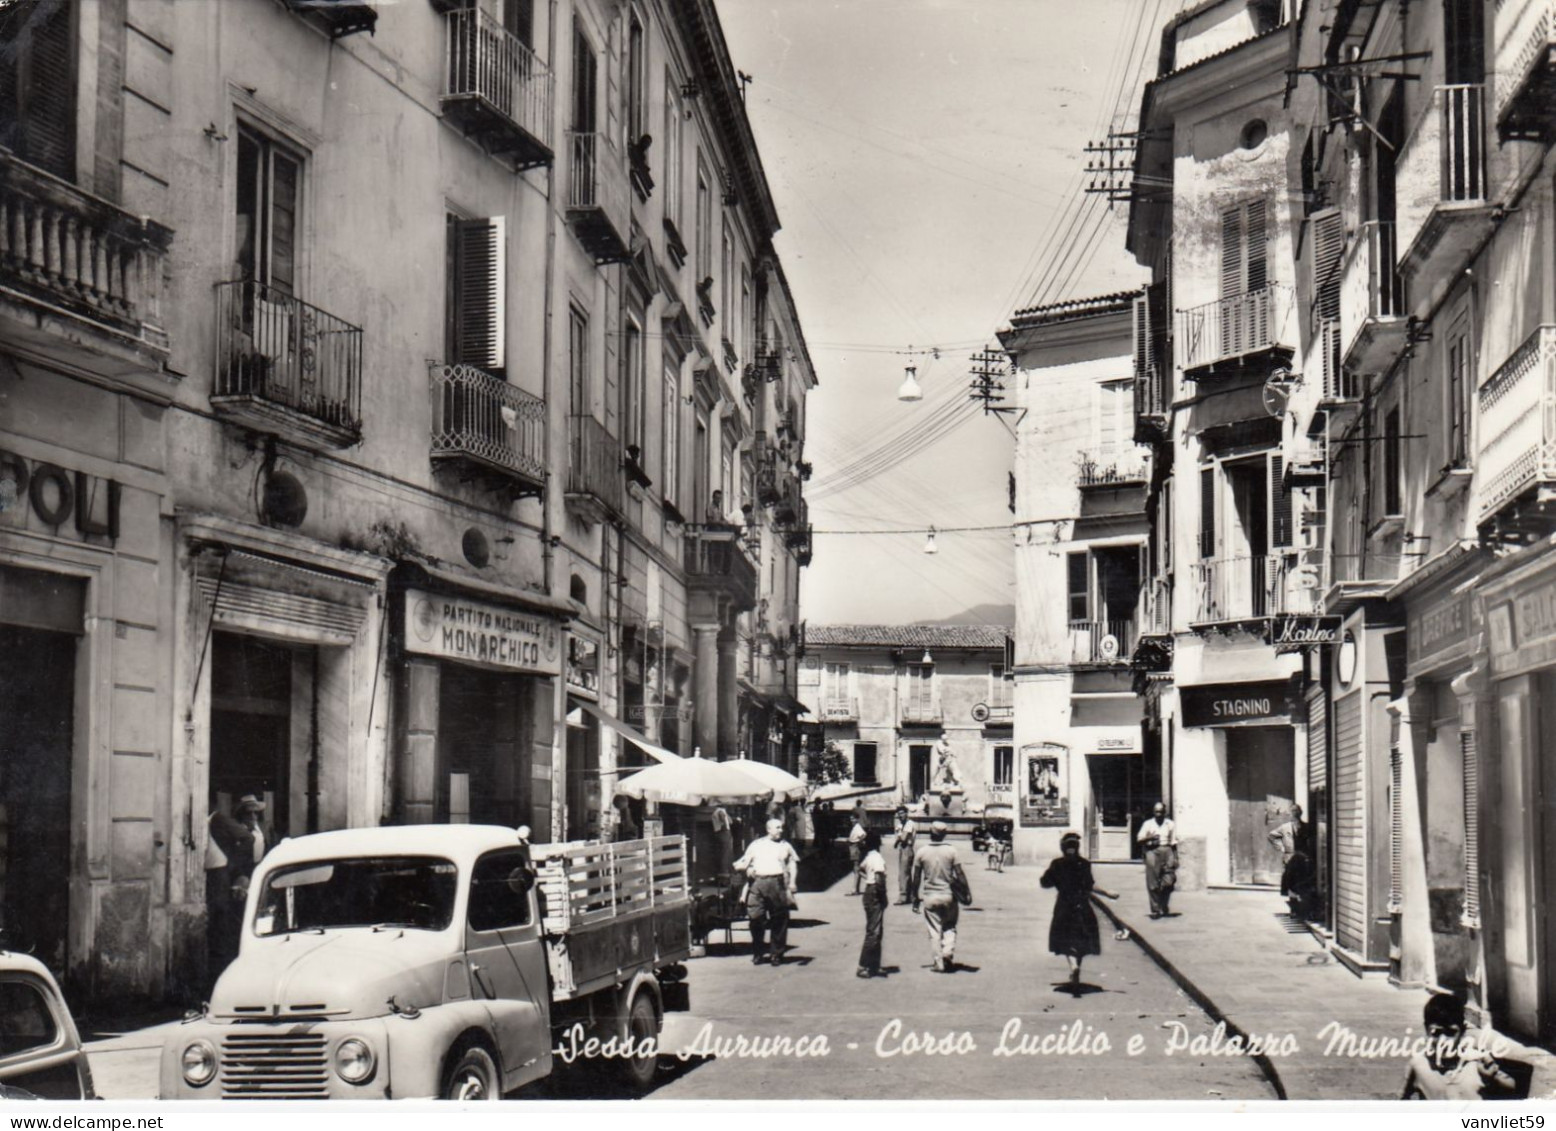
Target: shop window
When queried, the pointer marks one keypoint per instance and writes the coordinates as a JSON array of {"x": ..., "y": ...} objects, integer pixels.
[
  {"x": 499, "y": 891},
  {"x": 476, "y": 273},
  {"x": 38, "y": 85}
]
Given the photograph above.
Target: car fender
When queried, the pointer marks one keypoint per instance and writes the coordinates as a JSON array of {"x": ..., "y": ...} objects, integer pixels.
[{"x": 421, "y": 1045}]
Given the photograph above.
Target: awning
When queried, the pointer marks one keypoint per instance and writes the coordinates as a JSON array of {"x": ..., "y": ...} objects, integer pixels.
[
  {"x": 841, "y": 790},
  {"x": 451, "y": 578},
  {"x": 626, "y": 730}
]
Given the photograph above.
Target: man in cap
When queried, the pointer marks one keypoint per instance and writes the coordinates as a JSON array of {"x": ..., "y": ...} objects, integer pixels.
[
  {"x": 240, "y": 844},
  {"x": 771, "y": 867},
  {"x": 906, "y": 835},
  {"x": 933, "y": 866}
]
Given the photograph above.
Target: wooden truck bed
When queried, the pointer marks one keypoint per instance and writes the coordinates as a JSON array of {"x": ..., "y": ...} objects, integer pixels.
[{"x": 611, "y": 909}]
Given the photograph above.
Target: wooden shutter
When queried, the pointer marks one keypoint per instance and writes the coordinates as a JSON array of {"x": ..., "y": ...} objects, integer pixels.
[
  {"x": 1469, "y": 752},
  {"x": 1280, "y": 503},
  {"x": 1164, "y": 517},
  {"x": 1232, "y": 252},
  {"x": 1207, "y": 512},
  {"x": 1145, "y": 363},
  {"x": 37, "y": 85},
  {"x": 479, "y": 275},
  {"x": 1079, "y": 589},
  {"x": 1255, "y": 248},
  {"x": 1350, "y": 835},
  {"x": 1328, "y": 250},
  {"x": 1396, "y": 821}
]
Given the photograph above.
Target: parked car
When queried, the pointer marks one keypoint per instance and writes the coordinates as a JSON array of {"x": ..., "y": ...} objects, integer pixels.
[
  {"x": 40, "y": 1050},
  {"x": 438, "y": 961}
]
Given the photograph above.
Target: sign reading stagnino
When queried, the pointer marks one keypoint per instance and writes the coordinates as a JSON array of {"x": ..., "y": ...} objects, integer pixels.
[{"x": 475, "y": 632}]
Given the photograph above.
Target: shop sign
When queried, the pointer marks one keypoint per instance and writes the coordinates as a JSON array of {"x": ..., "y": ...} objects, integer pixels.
[
  {"x": 1117, "y": 744},
  {"x": 58, "y": 497},
  {"x": 455, "y": 628},
  {"x": 1440, "y": 627},
  {"x": 1301, "y": 633},
  {"x": 1043, "y": 801},
  {"x": 1235, "y": 704},
  {"x": 1522, "y": 631}
]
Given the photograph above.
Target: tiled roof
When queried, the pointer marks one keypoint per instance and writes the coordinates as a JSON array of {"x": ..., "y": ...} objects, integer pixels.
[
  {"x": 977, "y": 636},
  {"x": 1120, "y": 302}
]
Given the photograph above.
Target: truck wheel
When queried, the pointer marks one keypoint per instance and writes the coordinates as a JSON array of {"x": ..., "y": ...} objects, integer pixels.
[
  {"x": 472, "y": 1075},
  {"x": 642, "y": 1026}
]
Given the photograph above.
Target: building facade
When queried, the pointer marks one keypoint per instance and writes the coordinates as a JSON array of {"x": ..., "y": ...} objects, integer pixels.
[
  {"x": 374, "y": 441},
  {"x": 887, "y": 696},
  {"x": 1081, "y": 562}
]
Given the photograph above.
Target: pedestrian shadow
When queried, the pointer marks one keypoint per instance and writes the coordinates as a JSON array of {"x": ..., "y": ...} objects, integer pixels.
[
  {"x": 796, "y": 960},
  {"x": 1078, "y": 989},
  {"x": 1290, "y": 923},
  {"x": 801, "y": 924},
  {"x": 963, "y": 968}
]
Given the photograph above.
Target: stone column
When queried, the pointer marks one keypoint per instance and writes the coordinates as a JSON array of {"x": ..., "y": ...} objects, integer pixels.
[
  {"x": 706, "y": 730},
  {"x": 729, "y": 706}
]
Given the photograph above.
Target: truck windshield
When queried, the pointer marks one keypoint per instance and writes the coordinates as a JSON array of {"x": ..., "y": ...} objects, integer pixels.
[{"x": 381, "y": 891}]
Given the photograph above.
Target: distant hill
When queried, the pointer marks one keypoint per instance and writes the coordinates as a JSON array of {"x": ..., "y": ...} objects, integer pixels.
[{"x": 981, "y": 614}]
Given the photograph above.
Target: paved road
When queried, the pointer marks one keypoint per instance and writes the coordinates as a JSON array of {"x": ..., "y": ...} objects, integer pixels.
[{"x": 1007, "y": 979}]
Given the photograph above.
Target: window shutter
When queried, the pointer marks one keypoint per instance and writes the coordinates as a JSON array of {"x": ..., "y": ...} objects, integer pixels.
[
  {"x": 1328, "y": 229},
  {"x": 37, "y": 85},
  {"x": 1232, "y": 252},
  {"x": 479, "y": 281},
  {"x": 1280, "y": 503},
  {"x": 1078, "y": 587},
  {"x": 1396, "y": 823},
  {"x": 1207, "y": 512},
  {"x": 1145, "y": 364},
  {"x": 1256, "y": 276},
  {"x": 1164, "y": 523},
  {"x": 1469, "y": 752}
]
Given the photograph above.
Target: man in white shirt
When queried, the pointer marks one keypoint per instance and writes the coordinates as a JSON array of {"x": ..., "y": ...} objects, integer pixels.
[
  {"x": 1159, "y": 838},
  {"x": 772, "y": 870},
  {"x": 906, "y": 834},
  {"x": 856, "y": 847}
]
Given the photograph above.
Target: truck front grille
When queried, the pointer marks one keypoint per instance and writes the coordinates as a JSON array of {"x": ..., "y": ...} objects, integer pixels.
[{"x": 274, "y": 1066}]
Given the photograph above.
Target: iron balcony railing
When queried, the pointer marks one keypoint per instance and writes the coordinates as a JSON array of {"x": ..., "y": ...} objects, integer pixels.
[
  {"x": 839, "y": 710},
  {"x": 1370, "y": 286},
  {"x": 597, "y": 190},
  {"x": 922, "y": 711},
  {"x": 594, "y": 463},
  {"x": 489, "y": 63},
  {"x": 1242, "y": 588},
  {"x": 1233, "y": 328},
  {"x": 717, "y": 558},
  {"x": 1517, "y": 433},
  {"x": 1525, "y": 38},
  {"x": 276, "y": 349},
  {"x": 77, "y": 252},
  {"x": 1102, "y": 641},
  {"x": 1156, "y": 608},
  {"x": 485, "y": 419},
  {"x": 1114, "y": 470},
  {"x": 1444, "y": 156},
  {"x": 1339, "y": 385}
]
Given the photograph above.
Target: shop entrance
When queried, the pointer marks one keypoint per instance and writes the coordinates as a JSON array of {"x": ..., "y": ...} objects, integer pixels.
[
  {"x": 484, "y": 778},
  {"x": 37, "y": 704},
  {"x": 254, "y": 684},
  {"x": 1116, "y": 798},
  {"x": 918, "y": 770},
  {"x": 583, "y": 778},
  {"x": 1261, "y": 786}
]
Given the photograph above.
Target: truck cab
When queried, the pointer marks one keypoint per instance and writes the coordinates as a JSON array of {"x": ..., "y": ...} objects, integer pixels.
[{"x": 396, "y": 962}]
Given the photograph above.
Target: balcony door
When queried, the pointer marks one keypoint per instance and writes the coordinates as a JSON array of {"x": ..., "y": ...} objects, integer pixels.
[
  {"x": 1247, "y": 537},
  {"x": 1464, "y": 42},
  {"x": 269, "y": 200},
  {"x": 38, "y": 84},
  {"x": 918, "y": 769}
]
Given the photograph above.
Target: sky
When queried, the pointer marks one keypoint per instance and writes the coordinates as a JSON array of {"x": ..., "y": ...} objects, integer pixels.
[{"x": 926, "y": 159}]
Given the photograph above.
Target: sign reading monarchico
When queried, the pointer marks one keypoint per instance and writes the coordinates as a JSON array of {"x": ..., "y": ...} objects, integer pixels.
[{"x": 455, "y": 628}]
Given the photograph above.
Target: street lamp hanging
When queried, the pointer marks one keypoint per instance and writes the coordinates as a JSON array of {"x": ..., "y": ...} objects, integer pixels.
[
  {"x": 909, "y": 389},
  {"x": 929, "y": 545}
]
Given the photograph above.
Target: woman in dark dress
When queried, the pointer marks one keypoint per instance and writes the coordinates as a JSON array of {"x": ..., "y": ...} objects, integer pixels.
[{"x": 1073, "y": 932}]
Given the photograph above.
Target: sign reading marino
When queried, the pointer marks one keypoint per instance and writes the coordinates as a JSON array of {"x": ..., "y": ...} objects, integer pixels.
[{"x": 475, "y": 632}]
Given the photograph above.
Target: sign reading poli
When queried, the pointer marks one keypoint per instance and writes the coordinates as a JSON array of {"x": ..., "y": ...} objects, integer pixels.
[
  {"x": 475, "y": 632},
  {"x": 1301, "y": 633},
  {"x": 1235, "y": 704}
]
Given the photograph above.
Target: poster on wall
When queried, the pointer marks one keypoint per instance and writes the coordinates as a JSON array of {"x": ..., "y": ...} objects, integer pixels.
[{"x": 1043, "y": 798}]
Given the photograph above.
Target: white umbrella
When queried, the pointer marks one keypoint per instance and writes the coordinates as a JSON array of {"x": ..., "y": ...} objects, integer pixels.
[
  {"x": 785, "y": 786},
  {"x": 696, "y": 781}
]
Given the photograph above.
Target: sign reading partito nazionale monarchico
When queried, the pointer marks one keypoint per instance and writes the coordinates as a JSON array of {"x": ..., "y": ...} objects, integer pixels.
[{"x": 475, "y": 632}]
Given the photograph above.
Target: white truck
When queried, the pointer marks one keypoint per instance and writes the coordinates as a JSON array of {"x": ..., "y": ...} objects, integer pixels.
[{"x": 438, "y": 961}]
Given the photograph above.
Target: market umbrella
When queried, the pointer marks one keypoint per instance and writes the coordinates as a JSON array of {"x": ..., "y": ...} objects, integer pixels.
[
  {"x": 785, "y": 786},
  {"x": 696, "y": 781}
]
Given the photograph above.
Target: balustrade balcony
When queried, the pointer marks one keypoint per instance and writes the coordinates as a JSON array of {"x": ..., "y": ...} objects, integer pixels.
[
  {"x": 1102, "y": 641},
  {"x": 595, "y": 479},
  {"x": 1232, "y": 335},
  {"x": 597, "y": 205},
  {"x": 286, "y": 366},
  {"x": 490, "y": 427},
  {"x": 718, "y": 562},
  {"x": 1525, "y": 37},
  {"x": 840, "y": 710},
  {"x": 1441, "y": 206},
  {"x": 66, "y": 253},
  {"x": 496, "y": 90},
  {"x": 922, "y": 712},
  {"x": 1372, "y": 307},
  {"x": 1515, "y": 458},
  {"x": 1251, "y": 587}
]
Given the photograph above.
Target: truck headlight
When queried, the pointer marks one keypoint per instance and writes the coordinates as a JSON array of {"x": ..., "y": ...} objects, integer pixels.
[
  {"x": 199, "y": 1063},
  {"x": 353, "y": 1060}
]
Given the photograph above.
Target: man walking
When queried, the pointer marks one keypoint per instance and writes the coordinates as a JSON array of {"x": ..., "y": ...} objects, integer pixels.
[
  {"x": 1159, "y": 838},
  {"x": 856, "y": 848},
  {"x": 771, "y": 867},
  {"x": 933, "y": 866},
  {"x": 906, "y": 834}
]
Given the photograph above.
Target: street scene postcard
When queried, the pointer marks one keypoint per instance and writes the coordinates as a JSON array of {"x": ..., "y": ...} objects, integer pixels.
[{"x": 770, "y": 550}]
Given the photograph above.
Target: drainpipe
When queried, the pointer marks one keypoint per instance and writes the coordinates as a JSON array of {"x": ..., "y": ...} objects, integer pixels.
[{"x": 547, "y": 549}]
